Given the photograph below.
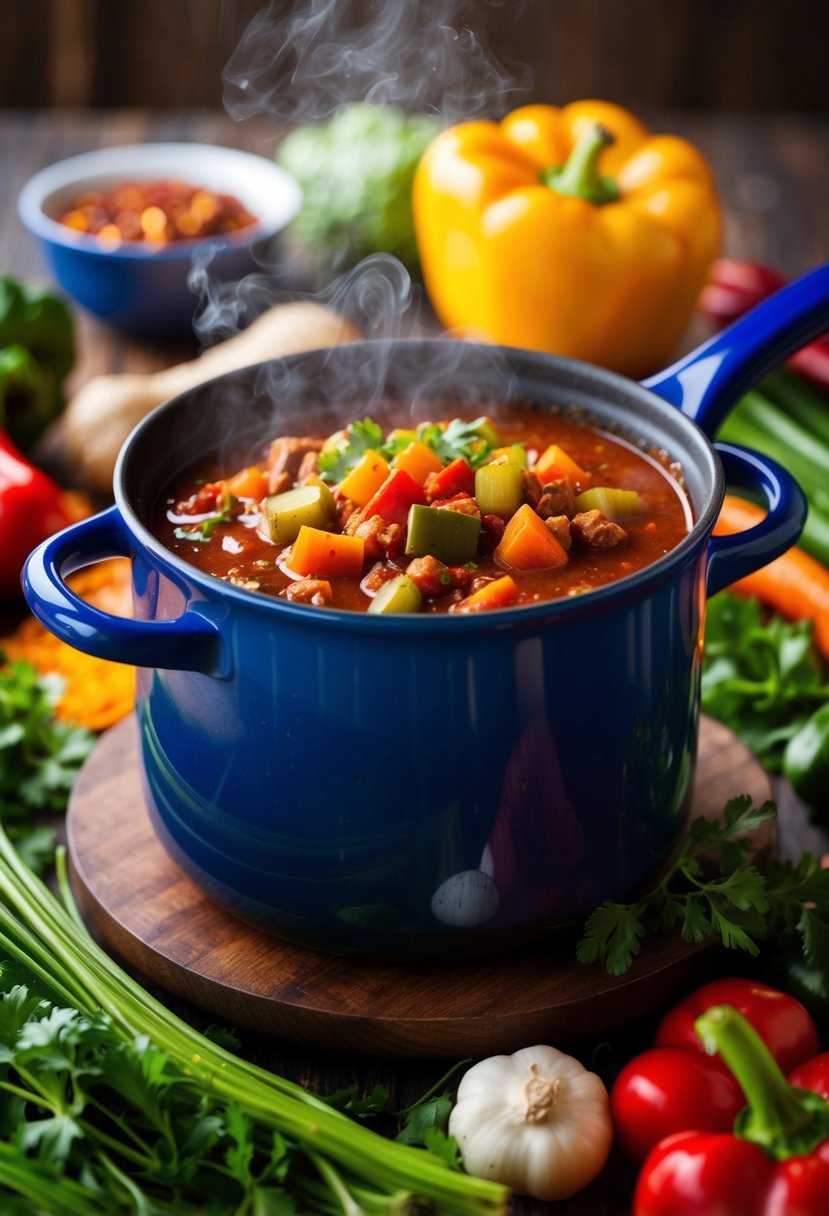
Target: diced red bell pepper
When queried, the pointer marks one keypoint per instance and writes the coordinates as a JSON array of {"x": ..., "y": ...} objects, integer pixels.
[
  {"x": 396, "y": 495},
  {"x": 457, "y": 477}
]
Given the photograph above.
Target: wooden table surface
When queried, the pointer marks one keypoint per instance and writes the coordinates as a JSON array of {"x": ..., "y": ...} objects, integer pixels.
[{"x": 773, "y": 176}]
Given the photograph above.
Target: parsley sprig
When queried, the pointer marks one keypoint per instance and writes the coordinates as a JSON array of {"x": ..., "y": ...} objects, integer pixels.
[
  {"x": 711, "y": 891},
  {"x": 470, "y": 441},
  {"x": 40, "y": 756}
]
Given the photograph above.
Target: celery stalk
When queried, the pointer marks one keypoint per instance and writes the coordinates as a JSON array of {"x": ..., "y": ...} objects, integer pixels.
[{"x": 499, "y": 488}]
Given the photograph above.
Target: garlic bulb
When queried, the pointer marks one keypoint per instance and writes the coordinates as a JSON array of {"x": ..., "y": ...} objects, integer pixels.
[{"x": 537, "y": 1121}]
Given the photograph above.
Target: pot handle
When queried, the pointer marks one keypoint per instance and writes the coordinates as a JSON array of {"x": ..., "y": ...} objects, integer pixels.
[
  {"x": 734, "y": 556},
  {"x": 190, "y": 643},
  {"x": 706, "y": 383}
]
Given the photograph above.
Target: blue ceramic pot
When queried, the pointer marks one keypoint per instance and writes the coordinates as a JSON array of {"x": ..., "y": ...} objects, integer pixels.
[{"x": 426, "y": 786}]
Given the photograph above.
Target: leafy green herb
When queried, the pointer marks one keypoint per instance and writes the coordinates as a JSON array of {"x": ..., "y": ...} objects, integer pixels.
[
  {"x": 227, "y": 509},
  {"x": 711, "y": 892},
  {"x": 360, "y": 437},
  {"x": 763, "y": 678},
  {"x": 469, "y": 441},
  {"x": 39, "y": 757}
]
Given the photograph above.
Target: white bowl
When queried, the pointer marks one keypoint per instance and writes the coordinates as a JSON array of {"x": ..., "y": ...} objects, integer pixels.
[{"x": 140, "y": 287}]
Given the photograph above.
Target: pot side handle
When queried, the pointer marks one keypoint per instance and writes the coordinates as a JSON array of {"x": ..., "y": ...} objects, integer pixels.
[
  {"x": 706, "y": 383},
  {"x": 190, "y": 643},
  {"x": 734, "y": 556}
]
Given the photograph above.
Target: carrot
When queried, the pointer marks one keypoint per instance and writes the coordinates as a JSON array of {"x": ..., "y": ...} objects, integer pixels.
[
  {"x": 326, "y": 554},
  {"x": 795, "y": 584},
  {"x": 554, "y": 462},
  {"x": 251, "y": 482},
  {"x": 528, "y": 544},
  {"x": 500, "y": 593}
]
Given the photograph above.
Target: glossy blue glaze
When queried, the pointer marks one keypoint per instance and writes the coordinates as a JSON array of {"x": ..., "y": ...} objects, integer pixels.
[{"x": 413, "y": 786}]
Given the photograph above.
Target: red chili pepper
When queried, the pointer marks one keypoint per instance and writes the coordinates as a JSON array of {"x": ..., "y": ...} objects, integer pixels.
[
  {"x": 675, "y": 1086},
  {"x": 30, "y": 510},
  {"x": 396, "y": 495},
  {"x": 775, "y": 1161},
  {"x": 735, "y": 286}
]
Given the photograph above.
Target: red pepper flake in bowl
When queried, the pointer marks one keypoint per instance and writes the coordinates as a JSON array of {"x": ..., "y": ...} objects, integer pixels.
[{"x": 157, "y": 212}]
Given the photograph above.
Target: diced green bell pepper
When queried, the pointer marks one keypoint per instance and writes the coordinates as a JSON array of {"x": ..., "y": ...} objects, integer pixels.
[{"x": 449, "y": 536}]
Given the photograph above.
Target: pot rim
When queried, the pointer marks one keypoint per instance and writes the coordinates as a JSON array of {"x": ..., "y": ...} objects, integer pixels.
[{"x": 620, "y": 591}]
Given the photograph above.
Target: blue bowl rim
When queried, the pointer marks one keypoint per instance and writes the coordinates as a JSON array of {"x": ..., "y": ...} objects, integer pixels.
[
  {"x": 57, "y": 176},
  {"x": 522, "y": 617}
]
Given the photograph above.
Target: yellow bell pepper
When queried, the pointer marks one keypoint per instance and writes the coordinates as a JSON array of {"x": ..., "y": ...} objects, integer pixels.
[{"x": 571, "y": 230}]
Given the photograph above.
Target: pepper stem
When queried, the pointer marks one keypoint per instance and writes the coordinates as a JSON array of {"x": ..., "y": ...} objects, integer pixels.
[
  {"x": 784, "y": 1121},
  {"x": 579, "y": 176}
]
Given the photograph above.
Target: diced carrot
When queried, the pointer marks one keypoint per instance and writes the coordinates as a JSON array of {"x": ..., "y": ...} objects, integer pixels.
[
  {"x": 418, "y": 461},
  {"x": 794, "y": 584},
  {"x": 326, "y": 554},
  {"x": 528, "y": 544},
  {"x": 554, "y": 462},
  {"x": 251, "y": 482},
  {"x": 396, "y": 495},
  {"x": 365, "y": 478},
  {"x": 500, "y": 593},
  {"x": 457, "y": 477}
]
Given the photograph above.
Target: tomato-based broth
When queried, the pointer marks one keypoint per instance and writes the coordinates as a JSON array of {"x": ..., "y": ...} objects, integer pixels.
[{"x": 449, "y": 516}]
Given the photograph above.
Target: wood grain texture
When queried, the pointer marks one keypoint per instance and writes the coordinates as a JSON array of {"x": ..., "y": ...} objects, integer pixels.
[{"x": 150, "y": 914}]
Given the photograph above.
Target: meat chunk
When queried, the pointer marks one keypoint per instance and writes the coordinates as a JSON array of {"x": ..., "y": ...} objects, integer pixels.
[
  {"x": 307, "y": 467},
  {"x": 381, "y": 539},
  {"x": 532, "y": 487},
  {"x": 316, "y": 591},
  {"x": 287, "y": 453},
  {"x": 462, "y": 503},
  {"x": 431, "y": 577},
  {"x": 557, "y": 498},
  {"x": 559, "y": 525},
  {"x": 595, "y": 531}
]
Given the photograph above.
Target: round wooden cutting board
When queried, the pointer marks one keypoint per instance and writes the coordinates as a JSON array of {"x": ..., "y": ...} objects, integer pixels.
[{"x": 156, "y": 920}]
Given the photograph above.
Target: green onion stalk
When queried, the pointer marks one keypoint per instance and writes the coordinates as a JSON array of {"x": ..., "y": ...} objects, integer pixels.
[
  {"x": 362, "y": 1170},
  {"x": 785, "y": 419}
]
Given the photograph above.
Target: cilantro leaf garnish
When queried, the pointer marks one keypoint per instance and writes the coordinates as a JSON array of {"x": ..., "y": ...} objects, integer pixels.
[
  {"x": 360, "y": 437},
  {"x": 469, "y": 441}
]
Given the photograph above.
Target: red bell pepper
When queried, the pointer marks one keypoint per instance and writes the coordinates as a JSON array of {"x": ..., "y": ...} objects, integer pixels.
[
  {"x": 457, "y": 477},
  {"x": 675, "y": 1086},
  {"x": 31, "y": 508},
  {"x": 735, "y": 286},
  {"x": 775, "y": 1161},
  {"x": 395, "y": 496}
]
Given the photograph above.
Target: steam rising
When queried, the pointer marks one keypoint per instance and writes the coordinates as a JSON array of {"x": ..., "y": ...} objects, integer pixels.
[
  {"x": 303, "y": 64},
  {"x": 419, "y": 54}
]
